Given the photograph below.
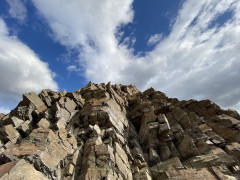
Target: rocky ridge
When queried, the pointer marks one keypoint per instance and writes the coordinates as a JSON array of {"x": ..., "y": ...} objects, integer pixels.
[{"x": 117, "y": 132}]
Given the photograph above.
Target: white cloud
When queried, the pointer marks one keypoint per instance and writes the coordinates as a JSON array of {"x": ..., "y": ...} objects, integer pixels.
[
  {"x": 90, "y": 26},
  {"x": 154, "y": 39},
  {"x": 197, "y": 60},
  {"x": 17, "y": 9},
  {"x": 202, "y": 62},
  {"x": 21, "y": 70},
  {"x": 72, "y": 68}
]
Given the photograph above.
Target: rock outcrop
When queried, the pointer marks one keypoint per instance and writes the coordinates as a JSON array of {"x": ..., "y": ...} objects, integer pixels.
[{"x": 117, "y": 132}]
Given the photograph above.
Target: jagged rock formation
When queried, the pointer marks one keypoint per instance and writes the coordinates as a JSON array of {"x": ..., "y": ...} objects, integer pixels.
[{"x": 117, "y": 132}]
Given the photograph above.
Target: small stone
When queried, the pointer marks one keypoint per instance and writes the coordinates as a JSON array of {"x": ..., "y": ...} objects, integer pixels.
[{"x": 70, "y": 169}]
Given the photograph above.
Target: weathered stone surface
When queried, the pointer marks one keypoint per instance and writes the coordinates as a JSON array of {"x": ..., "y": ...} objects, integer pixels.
[
  {"x": 77, "y": 98},
  {"x": 44, "y": 148},
  {"x": 213, "y": 158},
  {"x": 222, "y": 172},
  {"x": 16, "y": 122},
  {"x": 9, "y": 133},
  {"x": 142, "y": 175},
  {"x": 105, "y": 131},
  {"x": 153, "y": 156},
  {"x": 43, "y": 123},
  {"x": 187, "y": 147},
  {"x": 35, "y": 100},
  {"x": 62, "y": 113},
  {"x": 5, "y": 168},
  {"x": 45, "y": 96},
  {"x": 233, "y": 149},
  {"x": 227, "y": 127},
  {"x": 20, "y": 170},
  {"x": 182, "y": 118},
  {"x": 25, "y": 128},
  {"x": 1, "y": 115},
  {"x": 190, "y": 174}
]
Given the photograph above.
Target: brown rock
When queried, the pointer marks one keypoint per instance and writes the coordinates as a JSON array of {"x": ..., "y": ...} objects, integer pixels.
[
  {"x": 153, "y": 156},
  {"x": 16, "y": 122},
  {"x": 70, "y": 169},
  {"x": 44, "y": 148},
  {"x": 9, "y": 133},
  {"x": 25, "y": 128},
  {"x": 62, "y": 114},
  {"x": 70, "y": 105},
  {"x": 142, "y": 176},
  {"x": 35, "y": 100},
  {"x": 190, "y": 174},
  {"x": 227, "y": 127},
  {"x": 44, "y": 95},
  {"x": 5, "y": 168},
  {"x": 194, "y": 118},
  {"x": 187, "y": 147},
  {"x": 158, "y": 170},
  {"x": 20, "y": 170},
  {"x": 233, "y": 149},
  {"x": 77, "y": 98},
  {"x": 222, "y": 172},
  {"x": 105, "y": 131},
  {"x": 210, "y": 159},
  {"x": 233, "y": 113},
  {"x": 165, "y": 152},
  {"x": 1, "y": 115},
  {"x": 181, "y": 118},
  {"x": 43, "y": 123},
  {"x": 104, "y": 150}
]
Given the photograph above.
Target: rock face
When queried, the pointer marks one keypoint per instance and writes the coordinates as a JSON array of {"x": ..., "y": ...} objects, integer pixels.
[{"x": 117, "y": 132}]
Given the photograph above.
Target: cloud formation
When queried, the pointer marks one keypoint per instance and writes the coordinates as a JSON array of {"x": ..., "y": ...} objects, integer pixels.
[
  {"x": 202, "y": 56},
  {"x": 17, "y": 9},
  {"x": 91, "y": 27},
  {"x": 154, "y": 39},
  {"x": 198, "y": 59},
  {"x": 21, "y": 70}
]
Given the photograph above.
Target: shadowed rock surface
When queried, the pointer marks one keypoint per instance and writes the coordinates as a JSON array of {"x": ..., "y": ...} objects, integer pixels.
[{"x": 117, "y": 132}]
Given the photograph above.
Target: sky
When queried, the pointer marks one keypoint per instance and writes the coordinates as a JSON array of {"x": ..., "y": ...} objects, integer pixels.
[{"x": 187, "y": 49}]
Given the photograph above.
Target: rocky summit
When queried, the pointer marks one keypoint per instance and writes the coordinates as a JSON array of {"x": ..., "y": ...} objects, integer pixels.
[{"x": 117, "y": 132}]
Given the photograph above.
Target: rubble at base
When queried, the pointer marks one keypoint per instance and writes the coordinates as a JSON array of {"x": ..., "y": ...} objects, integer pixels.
[{"x": 117, "y": 132}]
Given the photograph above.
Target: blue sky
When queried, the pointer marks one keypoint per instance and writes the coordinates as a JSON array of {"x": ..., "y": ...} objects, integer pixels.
[{"x": 185, "y": 48}]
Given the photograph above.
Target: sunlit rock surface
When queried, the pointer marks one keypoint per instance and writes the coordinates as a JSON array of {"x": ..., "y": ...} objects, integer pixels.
[{"x": 117, "y": 132}]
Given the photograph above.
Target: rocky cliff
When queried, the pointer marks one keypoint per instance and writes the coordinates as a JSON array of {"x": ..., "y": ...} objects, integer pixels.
[{"x": 117, "y": 132}]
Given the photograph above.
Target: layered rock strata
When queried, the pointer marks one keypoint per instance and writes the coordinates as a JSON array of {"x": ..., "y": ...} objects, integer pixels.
[{"x": 117, "y": 132}]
